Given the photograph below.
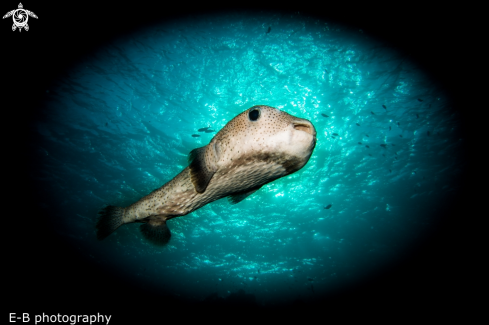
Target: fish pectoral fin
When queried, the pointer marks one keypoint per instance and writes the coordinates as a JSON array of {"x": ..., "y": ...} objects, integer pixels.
[
  {"x": 202, "y": 165},
  {"x": 236, "y": 198}
]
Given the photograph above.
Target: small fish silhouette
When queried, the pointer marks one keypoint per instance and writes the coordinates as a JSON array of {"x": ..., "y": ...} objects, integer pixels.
[
  {"x": 195, "y": 135},
  {"x": 420, "y": 100},
  {"x": 372, "y": 113},
  {"x": 203, "y": 129},
  {"x": 324, "y": 115},
  {"x": 269, "y": 29},
  {"x": 358, "y": 124},
  {"x": 367, "y": 146},
  {"x": 384, "y": 107},
  {"x": 328, "y": 206},
  {"x": 359, "y": 143}
]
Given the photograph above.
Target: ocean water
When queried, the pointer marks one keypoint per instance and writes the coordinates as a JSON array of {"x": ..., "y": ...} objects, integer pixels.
[{"x": 119, "y": 124}]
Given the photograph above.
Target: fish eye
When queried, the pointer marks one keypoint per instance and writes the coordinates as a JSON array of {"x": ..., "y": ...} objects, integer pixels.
[{"x": 254, "y": 114}]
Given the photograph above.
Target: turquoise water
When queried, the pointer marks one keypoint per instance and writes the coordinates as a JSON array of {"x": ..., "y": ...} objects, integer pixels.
[{"x": 119, "y": 124}]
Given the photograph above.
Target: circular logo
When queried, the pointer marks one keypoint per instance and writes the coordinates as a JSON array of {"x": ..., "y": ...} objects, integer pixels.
[{"x": 20, "y": 17}]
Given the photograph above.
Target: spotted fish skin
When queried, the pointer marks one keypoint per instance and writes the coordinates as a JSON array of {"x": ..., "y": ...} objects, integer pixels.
[{"x": 242, "y": 157}]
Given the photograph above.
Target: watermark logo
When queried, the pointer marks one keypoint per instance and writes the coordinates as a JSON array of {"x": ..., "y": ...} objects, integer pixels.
[{"x": 20, "y": 17}]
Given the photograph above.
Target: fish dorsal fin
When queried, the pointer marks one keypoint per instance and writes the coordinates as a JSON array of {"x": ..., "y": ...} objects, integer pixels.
[
  {"x": 238, "y": 197},
  {"x": 203, "y": 165},
  {"x": 156, "y": 231}
]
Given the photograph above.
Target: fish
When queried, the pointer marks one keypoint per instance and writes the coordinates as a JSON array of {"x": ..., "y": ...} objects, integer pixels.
[
  {"x": 420, "y": 100},
  {"x": 417, "y": 115},
  {"x": 357, "y": 124},
  {"x": 383, "y": 145},
  {"x": 384, "y": 106},
  {"x": 328, "y": 206},
  {"x": 428, "y": 133},
  {"x": 324, "y": 115},
  {"x": 367, "y": 135},
  {"x": 390, "y": 128},
  {"x": 372, "y": 113},
  {"x": 269, "y": 29},
  {"x": 203, "y": 129},
  {"x": 367, "y": 146},
  {"x": 359, "y": 143},
  {"x": 335, "y": 134},
  {"x": 106, "y": 123},
  {"x": 209, "y": 131},
  {"x": 195, "y": 135},
  {"x": 256, "y": 147}
]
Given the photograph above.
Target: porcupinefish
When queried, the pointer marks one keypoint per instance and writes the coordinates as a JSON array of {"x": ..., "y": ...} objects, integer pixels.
[{"x": 256, "y": 147}]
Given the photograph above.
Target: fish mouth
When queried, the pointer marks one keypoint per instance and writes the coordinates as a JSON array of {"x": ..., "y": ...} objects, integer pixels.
[{"x": 305, "y": 126}]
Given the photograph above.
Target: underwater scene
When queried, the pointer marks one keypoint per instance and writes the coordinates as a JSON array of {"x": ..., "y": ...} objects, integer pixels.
[{"x": 122, "y": 122}]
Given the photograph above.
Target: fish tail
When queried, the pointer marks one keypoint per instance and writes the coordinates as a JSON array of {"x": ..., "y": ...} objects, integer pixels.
[
  {"x": 110, "y": 218},
  {"x": 156, "y": 232}
]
